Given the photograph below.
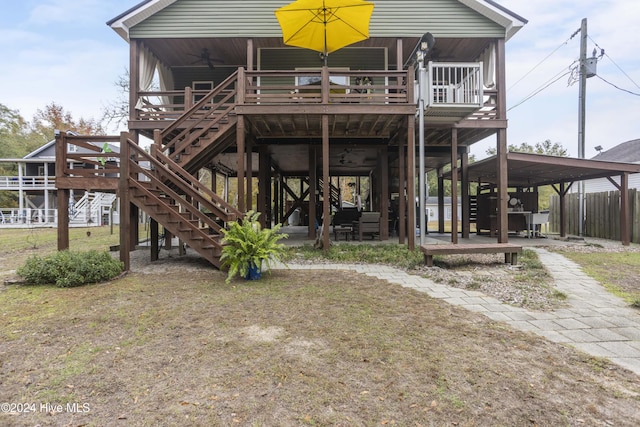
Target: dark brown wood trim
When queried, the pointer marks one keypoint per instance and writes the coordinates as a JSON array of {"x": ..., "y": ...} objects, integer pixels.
[{"x": 454, "y": 186}]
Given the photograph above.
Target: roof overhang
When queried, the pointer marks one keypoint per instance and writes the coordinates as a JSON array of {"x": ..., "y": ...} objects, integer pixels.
[
  {"x": 498, "y": 14},
  {"x": 531, "y": 170},
  {"x": 138, "y": 13}
]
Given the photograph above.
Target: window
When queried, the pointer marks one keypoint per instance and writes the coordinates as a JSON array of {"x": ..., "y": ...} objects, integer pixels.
[{"x": 200, "y": 89}]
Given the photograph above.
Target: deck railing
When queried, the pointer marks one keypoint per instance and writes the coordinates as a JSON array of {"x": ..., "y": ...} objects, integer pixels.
[
  {"x": 449, "y": 84},
  {"x": 27, "y": 183}
]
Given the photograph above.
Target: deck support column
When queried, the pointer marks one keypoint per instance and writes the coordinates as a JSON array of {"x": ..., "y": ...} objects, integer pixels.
[
  {"x": 125, "y": 203},
  {"x": 264, "y": 186},
  {"x": 411, "y": 180},
  {"x": 313, "y": 186},
  {"x": 240, "y": 142},
  {"x": 63, "y": 195},
  {"x": 454, "y": 186},
  {"x": 402, "y": 202},
  {"x": 464, "y": 194},
  {"x": 326, "y": 191},
  {"x": 440, "y": 172},
  {"x": 155, "y": 235},
  {"x": 503, "y": 195},
  {"x": 625, "y": 229},
  {"x": 501, "y": 173},
  {"x": 384, "y": 193},
  {"x": 249, "y": 204}
]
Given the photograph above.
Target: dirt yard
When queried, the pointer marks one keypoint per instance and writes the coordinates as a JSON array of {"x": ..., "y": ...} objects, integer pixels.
[{"x": 171, "y": 344}]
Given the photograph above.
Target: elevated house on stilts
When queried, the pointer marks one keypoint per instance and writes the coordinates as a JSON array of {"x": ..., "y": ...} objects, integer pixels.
[{"x": 232, "y": 98}]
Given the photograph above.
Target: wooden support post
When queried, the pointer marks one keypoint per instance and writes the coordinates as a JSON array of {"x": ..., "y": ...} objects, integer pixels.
[
  {"x": 63, "y": 195},
  {"x": 264, "y": 186},
  {"x": 240, "y": 142},
  {"x": 313, "y": 186},
  {"x": 440, "y": 172},
  {"x": 125, "y": 203},
  {"x": 563, "y": 211},
  {"x": 502, "y": 190},
  {"x": 464, "y": 195},
  {"x": 411, "y": 180},
  {"x": 625, "y": 219},
  {"x": 454, "y": 186},
  {"x": 326, "y": 191},
  {"x": 134, "y": 77},
  {"x": 276, "y": 199},
  {"x": 384, "y": 193},
  {"x": 402, "y": 203},
  {"x": 155, "y": 236},
  {"x": 249, "y": 204},
  {"x": 501, "y": 173}
]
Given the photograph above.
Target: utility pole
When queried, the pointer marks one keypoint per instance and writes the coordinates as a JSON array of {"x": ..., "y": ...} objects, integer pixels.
[{"x": 582, "y": 102}]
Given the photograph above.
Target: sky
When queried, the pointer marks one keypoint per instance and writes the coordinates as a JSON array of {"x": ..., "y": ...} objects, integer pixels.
[{"x": 62, "y": 51}]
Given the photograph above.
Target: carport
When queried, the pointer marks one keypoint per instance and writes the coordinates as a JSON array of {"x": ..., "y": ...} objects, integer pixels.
[{"x": 529, "y": 171}]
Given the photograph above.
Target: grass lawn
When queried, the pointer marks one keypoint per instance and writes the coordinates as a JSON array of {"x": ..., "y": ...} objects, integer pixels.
[{"x": 171, "y": 344}]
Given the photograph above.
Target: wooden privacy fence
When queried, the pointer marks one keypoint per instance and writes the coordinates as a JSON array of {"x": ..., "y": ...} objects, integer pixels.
[{"x": 601, "y": 214}]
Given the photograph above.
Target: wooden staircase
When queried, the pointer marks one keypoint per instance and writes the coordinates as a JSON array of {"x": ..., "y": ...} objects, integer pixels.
[{"x": 162, "y": 182}]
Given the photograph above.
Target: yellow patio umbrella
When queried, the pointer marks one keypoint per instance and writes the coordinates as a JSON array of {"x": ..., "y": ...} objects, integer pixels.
[{"x": 324, "y": 25}]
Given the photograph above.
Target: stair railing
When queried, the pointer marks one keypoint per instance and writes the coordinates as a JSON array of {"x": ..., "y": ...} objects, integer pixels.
[{"x": 212, "y": 108}]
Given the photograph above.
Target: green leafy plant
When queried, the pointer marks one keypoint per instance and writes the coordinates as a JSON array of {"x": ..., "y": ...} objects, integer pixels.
[
  {"x": 247, "y": 244},
  {"x": 68, "y": 269}
]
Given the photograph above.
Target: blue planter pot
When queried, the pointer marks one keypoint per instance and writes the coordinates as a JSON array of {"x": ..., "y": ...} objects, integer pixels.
[{"x": 254, "y": 272}]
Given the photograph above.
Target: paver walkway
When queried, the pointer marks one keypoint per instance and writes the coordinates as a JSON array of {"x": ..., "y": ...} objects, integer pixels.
[{"x": 596, "y": 322}]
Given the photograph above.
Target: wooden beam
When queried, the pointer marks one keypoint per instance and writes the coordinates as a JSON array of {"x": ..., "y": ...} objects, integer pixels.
[
  {"x": 502, "y": 190},
  {"x": 240, "y": 142},
  {"x": 264, "y": 186},
  {"x": 454, "y": 186},
  {"x": 625, "y": 218},
  {"x": 326, "y": 191},
  {"x": 411, "y": 179},
  {"x": 440, "y": 173},
  {"x": 563, "y": 210},
  {"x": 249, "y": 203},
  {"x": 155, "y": 237},
  {"x": 134, "y": 76},
  {"x": 402, "y": 203},
  {"x": 313, "y": 186},
  {"x": 62, "y": 195},
  {"x": 125, "y": 203},
  {"x": 384, "y": 194},
  {"x": 464, "y": 190}
]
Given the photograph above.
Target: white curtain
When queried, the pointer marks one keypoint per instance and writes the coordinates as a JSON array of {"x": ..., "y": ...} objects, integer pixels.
[
  {"x": 488, "y": 59},
  {"x": 166, "y": 82},
  {"x": 147, "y": 70}
]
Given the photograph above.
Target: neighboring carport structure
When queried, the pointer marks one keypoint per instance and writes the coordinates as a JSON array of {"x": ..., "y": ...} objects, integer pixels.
[{"x": 526, "y": 170}]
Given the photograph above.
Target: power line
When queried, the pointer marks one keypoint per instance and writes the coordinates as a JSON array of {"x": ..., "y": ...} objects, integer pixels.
[
  {"x": 619, "y": 88},
  {"x": 544, "y": 86},
  {"x": 619, "y": 68},
  {"x": 543, "y": 60}
]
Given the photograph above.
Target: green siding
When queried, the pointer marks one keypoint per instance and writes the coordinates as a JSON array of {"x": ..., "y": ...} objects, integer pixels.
[{"x": 251, "y": 18}]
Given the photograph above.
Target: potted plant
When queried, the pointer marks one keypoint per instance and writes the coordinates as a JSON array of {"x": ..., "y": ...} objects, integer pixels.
[{"x": 247, "y": 245}]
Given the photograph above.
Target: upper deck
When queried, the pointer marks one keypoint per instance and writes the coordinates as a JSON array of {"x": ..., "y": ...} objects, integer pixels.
[{"x": 369, "y": 105}]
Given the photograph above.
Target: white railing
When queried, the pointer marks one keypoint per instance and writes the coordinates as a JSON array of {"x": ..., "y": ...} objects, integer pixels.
[
  {"x": 27, "y": 182},
  {"x": 455, "y": 83},
  {"x": 90, "y": 208},
  {"x": 88, "y": 211},
  {"x": 27, "y": 217}
]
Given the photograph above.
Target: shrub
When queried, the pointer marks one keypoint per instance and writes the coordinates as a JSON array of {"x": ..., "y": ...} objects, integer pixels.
[{"x": 67, "y": 269}]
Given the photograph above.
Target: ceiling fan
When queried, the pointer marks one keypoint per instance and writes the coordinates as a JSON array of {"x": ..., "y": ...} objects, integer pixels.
[{"x": 205, "y": 58}]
